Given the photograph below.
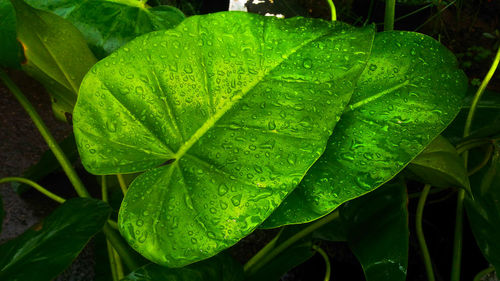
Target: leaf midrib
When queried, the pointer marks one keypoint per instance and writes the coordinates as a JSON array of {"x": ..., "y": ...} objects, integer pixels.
[{"x": 210, "y": 123}]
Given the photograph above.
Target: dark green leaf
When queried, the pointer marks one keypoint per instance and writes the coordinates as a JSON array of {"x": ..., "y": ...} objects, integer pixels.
[
  {"x": 376, "y": 227},
  {"x": 107, "y": 25},
  {"x": 48, "y": 248},
  {"x": 237, "y": 119},
  {"x": 409, "y": 92},
  {"x": 484, "y": 210},
  {"x": 440, "y": 165},
  {"x": 219, "y": 268},
  {"x": 48, "y": 163},
  {"x": 56, "y": 54},
  {"x": 10, "y": 49}
]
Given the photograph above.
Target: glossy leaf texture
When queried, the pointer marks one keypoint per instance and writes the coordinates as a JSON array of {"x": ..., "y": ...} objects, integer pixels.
[
  {"x": 484, "y": 210},
  {"x": 409, "y": 92},
  {"x": 376, "y": 229},
  {"x": 48, "y": 248},
  {"x": 10, "y": 49},
  {"x": 56, "y": 55},
  {"x": 236, "y": 131},
  {"x": 440, "y": 165},
  {"x": 219, "y": 268},
  {"x": 107, "y": 25}
]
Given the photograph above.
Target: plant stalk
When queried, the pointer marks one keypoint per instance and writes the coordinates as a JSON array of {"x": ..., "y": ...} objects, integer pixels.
[
  {"x": 426, "y": 257},
  {"x": 390, "y": 9},
  {"x": 483, "y": 273},
  {"x": 327, "y": 261},
  {"x": 457, "y": 243},
  {"x": 290, "y": 241},
  {"x": 121, "y": 182},
  {"x": 333, "y": 11},
  {"x": 47, "y": 136},
  {"x": 36, "y": 186}
]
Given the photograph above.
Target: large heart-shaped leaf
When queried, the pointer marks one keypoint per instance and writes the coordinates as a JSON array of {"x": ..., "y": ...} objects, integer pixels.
[
  {"x": 219, "y": 268},
  {"x": 237, "y": 106},
  {"x": 440, "y": 165},
  {"x": 47, "y": 249},
  {"x": 107, "y": 25},
  {"x": 410, "y": 91},
  {"x": 484, "y": 209},
  {"x": 56, "y": 54},
  {"x": 10, "y": 50}
]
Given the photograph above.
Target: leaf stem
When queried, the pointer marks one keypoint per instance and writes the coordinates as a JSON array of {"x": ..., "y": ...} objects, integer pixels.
[
  {"x": 426, "y": 257},
  {"x": 290, "y": 241},
  {"x": 483, "y": 272},
  {"x": 486, "y": 159},
  {"x": 47, "y": 136},
  {"x": 35, "y": 186},
  {"x": 390, "y": 7},
  {"x": 457, "y": 243},
  {"x": 112, "y": 261},
  {"x": 333, "y": 11},
  {"x": 327, "y": 261},
  {"x": 262, "y": 252},
  {"x": 119, "y": 245},
  {"x": 123, "y": 185}
]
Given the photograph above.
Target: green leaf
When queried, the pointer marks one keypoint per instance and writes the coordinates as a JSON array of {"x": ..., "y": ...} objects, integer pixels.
[
  {"x": 10, "y": 50},
  {"x": 107, "y": 25},
  {"x": 409, "y": 92},
  {"x": 56, "y": 55},
  {"x": 48, "y": 248},
  {"x": 484, "y": 210},
  {"x": 376, "y": 227},
  {"x": 238, "y": 106},
  {"x": 219, "y": 268},
  {"x": 440, "y": 165},
  {"x": 48, "y": 164}
]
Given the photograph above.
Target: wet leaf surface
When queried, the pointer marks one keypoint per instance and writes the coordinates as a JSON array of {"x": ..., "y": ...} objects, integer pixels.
[
  {"x": 409, "y": 92},
  {"x": 225, "y": 113}
]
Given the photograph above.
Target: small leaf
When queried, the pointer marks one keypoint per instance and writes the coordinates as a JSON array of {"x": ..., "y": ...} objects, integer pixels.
[
  {"x": 225, "y": 131},
  {"x": 107, "y": 25},
  {"x": 440, "y": 165},
  {"x": 56, "y": 55},
  {"x": 409, "y": 92},
  {"x": 219, "y": 268},
  {"x": 48, "y": 248},
  {"x": 484, "y": 210},
  {"x": 10, "y": 49},
  {"x": 376, "y": 227}
]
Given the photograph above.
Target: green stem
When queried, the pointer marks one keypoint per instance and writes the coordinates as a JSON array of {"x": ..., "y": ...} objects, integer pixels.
[
  {"x": 263, "y": 252},
  {"x": 483, "y": 272},
  {"x": 290, "y": 241},
  {"x": 35, "y": 186},
  {"x": 390, "y": 7},
  {"x": 327, "y": 261},
  {"x": 426, "y": 257},
  {"x": 47, "y": 136},
  {"x": 370, "y": 11},
  {"x": 122, "y": 183},
  {"x": 119, "y": 266},
  {"x": 486, "y": 159},
  {"x": 112, "y": 261},
  {"x": 120, "y": 246},
  {"x": 461, "y": 148},
  {"x": 332, "y": 10},
  {"x": 457, "y": 243}
]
